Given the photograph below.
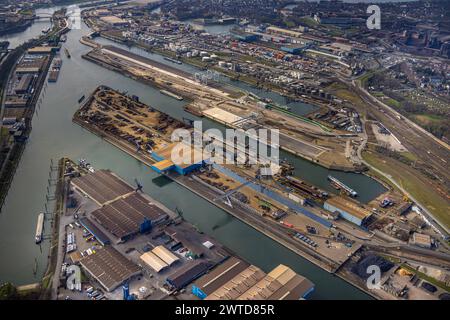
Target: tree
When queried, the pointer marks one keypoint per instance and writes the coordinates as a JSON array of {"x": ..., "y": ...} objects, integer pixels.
[{"x": 8, "y": 291}]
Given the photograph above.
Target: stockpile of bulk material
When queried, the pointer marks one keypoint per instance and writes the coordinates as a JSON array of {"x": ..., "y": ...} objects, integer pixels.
[{"x": 362, "y": 266}]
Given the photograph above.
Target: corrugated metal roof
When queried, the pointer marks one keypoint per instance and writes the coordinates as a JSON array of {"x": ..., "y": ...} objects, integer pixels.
[
  {"x": 163, "y": 165},
  {"x": 220, "y": 275},
  {"x": 164, "y": 254},
  {"x": 188, "y": 273},
  {"x": 153, "y": 261},
  {"x": 349, "y": 206},
  {"x": 109, "y": 267},
  {"x": 238, "y": 285},
  {"x": 282, "y": 273}
]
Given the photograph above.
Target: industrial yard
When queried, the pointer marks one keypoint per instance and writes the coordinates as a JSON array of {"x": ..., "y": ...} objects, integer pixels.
[
  {"x": 306, "y": 219},
  {"x": 307, "y": 139},
  {"x": 130, "y": 246},
  {"x": 184, "y": 101}
]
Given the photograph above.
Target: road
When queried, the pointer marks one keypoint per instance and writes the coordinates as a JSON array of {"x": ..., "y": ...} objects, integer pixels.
[{"x": 429, "y": 149}]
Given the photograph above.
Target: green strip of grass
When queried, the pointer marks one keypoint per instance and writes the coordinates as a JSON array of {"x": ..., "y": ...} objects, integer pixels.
[{"x": 413, "y": 183}]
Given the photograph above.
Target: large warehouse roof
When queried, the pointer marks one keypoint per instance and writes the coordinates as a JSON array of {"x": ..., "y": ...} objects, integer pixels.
[
  {"x": 296, "y": 288},
  {"x": 220, "y": 275},
  {"x": 109, "y": 267},
  {"x": 165, "y": 255},
  {"x": 124, "y": 217},
  {"x": 237, "y": 286},
  {"x": 102, "y": 186},
  {"x": 282, "y": 283},
  {"x": 153, "y": 261},
  {"x": 187, "y": 274},
  {"x": 349, "y": 206}
]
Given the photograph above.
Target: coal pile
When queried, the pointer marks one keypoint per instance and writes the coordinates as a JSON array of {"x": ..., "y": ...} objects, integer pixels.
[
  {"x": 429, "y": 287},
  {"x": 360, "y": 268}
]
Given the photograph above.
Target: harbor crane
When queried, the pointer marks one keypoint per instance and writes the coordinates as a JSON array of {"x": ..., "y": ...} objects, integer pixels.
[{"x": 139, "y": 186}]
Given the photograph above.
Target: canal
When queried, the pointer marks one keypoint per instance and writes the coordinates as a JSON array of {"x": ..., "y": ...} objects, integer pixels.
[{"x": 54, "y": 135}]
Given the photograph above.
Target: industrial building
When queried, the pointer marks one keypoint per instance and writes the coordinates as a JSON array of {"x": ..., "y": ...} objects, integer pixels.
[
  {"x": 102, "y": 186},
  {"x": 24, "y": 84},
  {"x": 42, "y": 50},
  {"x": 153, "y": 261},
  {"x": 31, "y": 64},
  {"x": 238, "y": 285},
  {"x": 217, "y": 277},
  {"x": 348, "y": 209},
  {"x": 109, "y": 267},
  {"x": 159, "y": 258},
  {"x": 16, "y": 102},
  {"x": 421, "y": 240},
  {"x": 99, "y": 235},
  {"x": 293, "y": 49},
  {"x": 126, "y": 217},
  {"x": 251, "y": 283},
  {"x": 188, "y": 273},
  {"x": 284, "y": 32},
  {"x": 182, "y": 164},
  {"x": 244, "y": 36},
  {"x": 114, "y": 21}
]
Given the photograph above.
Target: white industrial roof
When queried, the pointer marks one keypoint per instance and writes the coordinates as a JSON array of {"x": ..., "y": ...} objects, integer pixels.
[
  {"x": 153, "y": 261},
  {"x": 165, "y": 255}
]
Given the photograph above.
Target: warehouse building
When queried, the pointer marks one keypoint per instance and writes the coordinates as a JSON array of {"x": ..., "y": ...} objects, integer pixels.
[
  {"x": 293, "y": 286},
  {"x": 24, "y": 84},
  {"x": 159, "y": 258},
  {"x": 16, "y": 102},
  {"x": 153, "y": 261},
  {"x": 109, "y": 267},
  {"x": 114, "y": 21},
  {"x": 244, "y": 36},
  {"x": 293, "y": 49},
  {"x": 101, "y": 237},
  {"x": 42, "y": 50},
  {"x": 188, "y": 273},
  {"x": 31, "y": 64},
  {"x": 216, "y": 278},
  {"x": 282, "y": 283},
  {"x": 285, "y": 32},
  {"x": 165, "y": 255},
  {"x": 167, "y": 161},
  {"x": 126, "y": 217},
  {"x": 238, "y": 285},
  {"x": 348, "y": 209},
  {"x": 421, "y": 240},
  {"x": 102, "y": 186}
]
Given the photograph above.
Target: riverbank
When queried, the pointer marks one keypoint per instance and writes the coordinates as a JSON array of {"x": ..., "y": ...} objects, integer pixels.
[{"x": 9, "y": 167}]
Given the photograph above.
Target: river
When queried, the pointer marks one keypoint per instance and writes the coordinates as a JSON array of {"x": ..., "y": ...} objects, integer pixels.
[{"x": 54, "y": 135}]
